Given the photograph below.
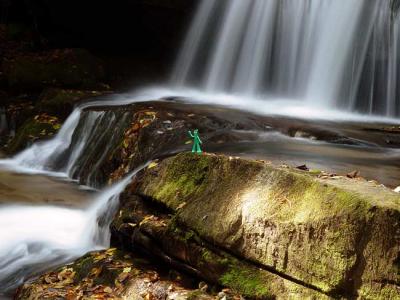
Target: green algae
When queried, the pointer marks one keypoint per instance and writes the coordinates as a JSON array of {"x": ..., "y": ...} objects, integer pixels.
[
  {"x": 30, "y": 131},
  {"x": 324, "y": 220},
  {"x": 248, "y": 282}
]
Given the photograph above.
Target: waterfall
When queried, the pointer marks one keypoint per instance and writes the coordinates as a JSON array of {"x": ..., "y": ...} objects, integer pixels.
[
  {"x": 34, "y": 238},
  {"x": 338, "y": 54}
]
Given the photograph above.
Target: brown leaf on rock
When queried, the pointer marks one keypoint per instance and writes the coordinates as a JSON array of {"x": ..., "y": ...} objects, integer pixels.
[
  {"x": 180, "y": 206},
  {"x": 353, "y": 174},
  {"x": 96, "y": 271},
  {"x": 123, "y": 276}
]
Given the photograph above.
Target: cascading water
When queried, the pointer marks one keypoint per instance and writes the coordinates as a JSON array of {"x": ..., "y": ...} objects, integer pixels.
[
  {"x": 327, "y": 53},
  {"x": 36, "y": 237}
]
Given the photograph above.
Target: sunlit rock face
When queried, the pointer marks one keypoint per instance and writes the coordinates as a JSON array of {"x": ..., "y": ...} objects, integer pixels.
[{"x": 338, "y": 235}]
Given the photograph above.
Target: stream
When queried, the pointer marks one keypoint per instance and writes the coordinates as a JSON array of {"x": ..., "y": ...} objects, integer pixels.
[{"x": 47, "y": 219}]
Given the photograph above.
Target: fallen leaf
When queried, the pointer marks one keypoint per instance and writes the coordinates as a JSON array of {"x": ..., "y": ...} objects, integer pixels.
[
  {"x": 99, "y": 257},
  {"x": 96, "y": 271},
  {"x": 353, "y": 174},
  {"x": 180, "y": 206},
  {"x": 123, "y": 276},
  {"x": 111, "y": 251},
  {"x": 152, "y": 164}
]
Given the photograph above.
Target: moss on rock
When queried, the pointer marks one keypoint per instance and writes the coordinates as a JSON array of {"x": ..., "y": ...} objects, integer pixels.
[
  {"x": 320, "y": 232},
  {"x": 248, "y": 282},
  {"x": 40, "y": 127},
  {"x": 145, "y": 225},
  {"x": 62, "y": 101}
]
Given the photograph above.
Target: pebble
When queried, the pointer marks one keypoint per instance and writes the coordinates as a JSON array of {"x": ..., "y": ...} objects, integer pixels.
[
  {"x": 203, "y": 286},
  {"x": 221, "y": 295}
]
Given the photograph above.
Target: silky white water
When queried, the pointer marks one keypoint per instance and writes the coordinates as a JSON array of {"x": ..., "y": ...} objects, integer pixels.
[
  {"x": 33, "y": 238},
  {"x": 329, "y": 54}
]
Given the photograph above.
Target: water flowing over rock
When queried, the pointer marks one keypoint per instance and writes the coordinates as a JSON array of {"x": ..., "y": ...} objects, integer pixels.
[
  {"x": 101, "y": 143},
  {"x": 338, "y": 54}
]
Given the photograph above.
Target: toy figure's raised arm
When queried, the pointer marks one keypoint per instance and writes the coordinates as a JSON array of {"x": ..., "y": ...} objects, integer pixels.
[{"x": 190, "y": 133}]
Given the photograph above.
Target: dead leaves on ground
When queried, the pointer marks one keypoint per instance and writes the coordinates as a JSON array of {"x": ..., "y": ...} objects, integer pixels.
[{"x": 85, "y": 278}]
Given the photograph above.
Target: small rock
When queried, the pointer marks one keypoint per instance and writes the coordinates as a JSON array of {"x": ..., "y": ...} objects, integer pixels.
[
  {"x": 303, "y": 168},
  {"x": 397, "y": 190},
  {"x": 221, "y": 295},
  {"x": 203, "y": 286}
]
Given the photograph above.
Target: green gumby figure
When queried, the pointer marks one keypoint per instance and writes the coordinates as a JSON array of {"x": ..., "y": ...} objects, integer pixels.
[{"x": 196, "y": 141}]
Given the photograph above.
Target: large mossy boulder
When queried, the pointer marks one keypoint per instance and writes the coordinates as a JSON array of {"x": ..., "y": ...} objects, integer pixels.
[
  {"x": 145, "y": 225},
  {"x": 74, "y": 68},
  {"x": 339, "y": 236}
]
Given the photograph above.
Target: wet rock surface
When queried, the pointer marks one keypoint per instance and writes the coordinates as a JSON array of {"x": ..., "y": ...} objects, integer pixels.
[
  {"x": 155, "y": 129},
  {"x": 62, "y": 101},
  {"x": 23, "y": 189},
  {"x": 37, "y": 128},
  {"x": 29, "y": 120}
]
